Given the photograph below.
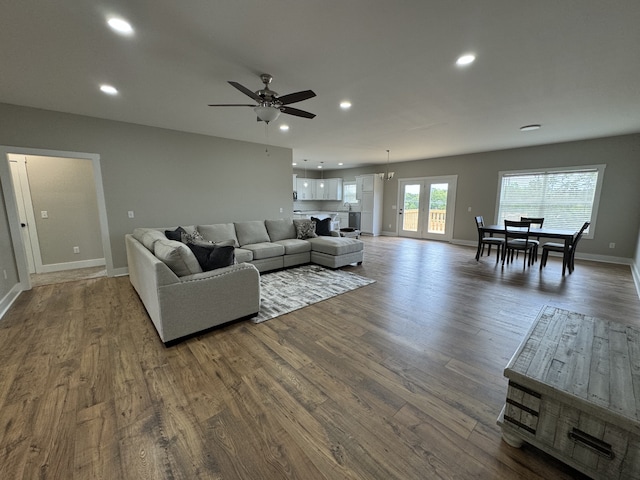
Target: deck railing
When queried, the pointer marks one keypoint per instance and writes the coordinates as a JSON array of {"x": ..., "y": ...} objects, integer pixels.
[{"x": 437, "y": 220}]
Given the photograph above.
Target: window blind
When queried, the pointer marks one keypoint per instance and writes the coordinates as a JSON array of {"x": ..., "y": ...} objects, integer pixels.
[{"x": 565, "y": 199}]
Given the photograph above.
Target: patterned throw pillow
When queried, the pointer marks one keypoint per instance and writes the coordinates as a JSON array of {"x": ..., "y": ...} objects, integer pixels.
[
  {"x": 192, "y": 237},
  {"x": 305, "y": 229}
]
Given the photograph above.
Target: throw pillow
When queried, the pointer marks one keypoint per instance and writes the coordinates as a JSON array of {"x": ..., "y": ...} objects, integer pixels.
[
  {"x": 177, "y": 257},
  {"x": 193, "y": 236},
  {"x": 213, "y": 256},
  {"x": 305, "y": 229},
  {"x": 176, "y": 234},
  {"x": 323, "y": 227}
]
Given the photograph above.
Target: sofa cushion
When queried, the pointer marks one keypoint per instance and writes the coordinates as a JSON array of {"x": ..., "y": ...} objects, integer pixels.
[
  {"x": 219, "y": 232},
  {"x": 305, "y": 229},
  {"x": 280, "y": 229},
  {"x": 323, "y": 227},
  {"x": 148, "y": 237},
  {"x": 251, "y": 232},
  {"x": 265, "y": 250},
  {"x": 177, "y": 256},
  {"x": 336, "y": 245},
  {"x": 293, "y": 246},
  {"x": 243, "y": 255},
  {"x": 211, "y": 256}
]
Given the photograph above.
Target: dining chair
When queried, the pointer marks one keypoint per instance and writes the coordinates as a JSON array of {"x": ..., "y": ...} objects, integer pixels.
[
  {"x": 516, "y": 235},
  {"x": 559, "y": 248},
  {"x": 536, "y": 222},
  {"x": 489, "y": 241}
]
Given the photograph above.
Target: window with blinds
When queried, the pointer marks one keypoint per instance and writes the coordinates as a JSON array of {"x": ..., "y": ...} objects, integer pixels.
[{"x": 565, "y": 198}]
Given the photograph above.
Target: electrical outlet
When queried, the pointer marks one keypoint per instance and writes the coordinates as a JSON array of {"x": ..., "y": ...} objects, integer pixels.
[
  {"x": 76, "y": 249},
  {"x": 4, "y": 272},
  {"x": 281, "y": 210},
  {"x": 44, "y": 214},
  {"x": 612, "y": 245}
]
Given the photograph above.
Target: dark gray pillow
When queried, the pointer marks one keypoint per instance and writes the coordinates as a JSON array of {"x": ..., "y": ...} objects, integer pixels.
[
  {"x": 212, "y": 256},
  {"x": 176, "y": 234},
  {"x": 323, "y": 227}
]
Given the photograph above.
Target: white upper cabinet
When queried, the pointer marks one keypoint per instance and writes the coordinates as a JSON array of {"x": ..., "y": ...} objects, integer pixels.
[{"x": 319, "y": 189}]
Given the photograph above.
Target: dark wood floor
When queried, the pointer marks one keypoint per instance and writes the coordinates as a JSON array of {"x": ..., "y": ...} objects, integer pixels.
[{"x": 401, "y": 379}]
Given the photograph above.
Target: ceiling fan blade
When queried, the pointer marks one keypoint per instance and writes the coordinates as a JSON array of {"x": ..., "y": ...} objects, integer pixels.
[
  {"x": 297, "y": 112},
  {"x": 231, "y": 105},
  {"x": 296, "y": 97},
  {"x": 246, "y": 91}
]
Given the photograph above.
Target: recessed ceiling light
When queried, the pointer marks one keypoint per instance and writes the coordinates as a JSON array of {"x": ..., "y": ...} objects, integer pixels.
[
  {"x": 121, "y": 26},
  {"x": 294, "y": 164},
  {"x": 319, "y": 166},
  {"x": 108, "y": 89},
  {"x": 528, "y": 128},
  {"x": 284, "y": 128},
  {"x": 466, "y": 59},
  {"x": 340, "y": 163},
  {"x": 345, "y": 105}
]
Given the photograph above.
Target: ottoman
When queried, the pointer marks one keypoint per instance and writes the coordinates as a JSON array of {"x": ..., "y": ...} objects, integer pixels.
[{"x": 336, "y": 252}]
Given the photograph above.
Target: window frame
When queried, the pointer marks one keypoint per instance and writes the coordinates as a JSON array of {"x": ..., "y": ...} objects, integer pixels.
[
  {"x": 599, "y": 168},
  {"x": 355, "y": 201}
]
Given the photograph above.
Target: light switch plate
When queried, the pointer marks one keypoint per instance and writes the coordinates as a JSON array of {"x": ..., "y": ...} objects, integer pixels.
[
  {"x": 130, "y": 213},
  {"x": 44, "y": 214}
]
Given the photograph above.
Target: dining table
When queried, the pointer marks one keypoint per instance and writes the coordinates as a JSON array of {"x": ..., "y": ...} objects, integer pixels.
[{"x": 564, "y": 234}]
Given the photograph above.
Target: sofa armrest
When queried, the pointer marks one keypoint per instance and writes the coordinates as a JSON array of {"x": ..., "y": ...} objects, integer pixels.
[{"x": 203, "y": 300}]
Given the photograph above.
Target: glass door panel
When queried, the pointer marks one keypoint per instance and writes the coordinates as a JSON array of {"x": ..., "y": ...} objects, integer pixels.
[
  {"x": 410, "y": 209},
  {"x": 436, "y": 224}
]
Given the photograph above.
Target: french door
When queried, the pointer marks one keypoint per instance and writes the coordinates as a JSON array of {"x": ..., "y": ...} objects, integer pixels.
[{"x": 427, "y": 206}]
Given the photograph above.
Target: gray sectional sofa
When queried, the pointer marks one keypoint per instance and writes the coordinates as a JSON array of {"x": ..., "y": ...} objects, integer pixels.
[{"x": 182, "y": 299}]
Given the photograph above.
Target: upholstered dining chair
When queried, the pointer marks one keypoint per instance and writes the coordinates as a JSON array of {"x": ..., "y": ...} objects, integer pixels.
[
  {"x": 559, "y": 248},
  {"x": 516, "y": 235},
  {"x": 489, "y": 241}
]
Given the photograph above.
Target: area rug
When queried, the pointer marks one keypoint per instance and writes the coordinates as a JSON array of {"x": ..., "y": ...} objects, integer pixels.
[{"x": 288, "y": 290}]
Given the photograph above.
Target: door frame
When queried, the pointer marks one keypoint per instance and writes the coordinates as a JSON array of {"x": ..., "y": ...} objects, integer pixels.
[
  {"x": 12, "y": 208},
  {"x": 452, "y": 181}
]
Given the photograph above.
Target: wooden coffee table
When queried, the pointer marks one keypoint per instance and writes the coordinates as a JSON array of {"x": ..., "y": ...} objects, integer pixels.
[{"x": 574, "y": 392}]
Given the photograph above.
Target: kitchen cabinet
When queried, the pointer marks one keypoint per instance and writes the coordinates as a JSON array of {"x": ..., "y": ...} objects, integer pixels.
[
  {"x": 370, "y": 189},
  {"x": 319, "y": 189},
  {"x": 307, "y": 192}
]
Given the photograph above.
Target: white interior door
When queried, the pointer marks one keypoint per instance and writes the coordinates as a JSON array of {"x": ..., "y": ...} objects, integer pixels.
[
  {"x": 25, "y": 213},
  {"x": 427, "y": 206}
]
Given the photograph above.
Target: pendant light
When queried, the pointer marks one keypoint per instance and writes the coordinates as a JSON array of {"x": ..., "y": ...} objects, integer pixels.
[
  {"x": 305, "y": 183},
  {"x": 389, "y": 175}
]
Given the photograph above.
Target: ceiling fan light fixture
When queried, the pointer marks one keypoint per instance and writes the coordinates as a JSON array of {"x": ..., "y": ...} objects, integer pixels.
[{"x": 267, "y": 113}]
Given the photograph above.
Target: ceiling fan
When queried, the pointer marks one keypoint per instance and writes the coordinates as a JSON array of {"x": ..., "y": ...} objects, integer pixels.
[{"x": 269, "y": 105}]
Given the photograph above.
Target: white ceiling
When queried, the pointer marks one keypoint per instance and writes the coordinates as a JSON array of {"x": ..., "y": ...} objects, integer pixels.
[{"x": 571, "y": 65}]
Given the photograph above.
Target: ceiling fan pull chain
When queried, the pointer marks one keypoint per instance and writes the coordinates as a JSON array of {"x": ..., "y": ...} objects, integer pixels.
[{"x": 266, "y": 136}]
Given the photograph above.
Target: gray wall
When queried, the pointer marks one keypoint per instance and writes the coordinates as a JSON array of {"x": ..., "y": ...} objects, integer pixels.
[
  {"x": 65, "y": 188},
  {"x": 619, "y": 211},
  {"x": 166, "y": 177}
]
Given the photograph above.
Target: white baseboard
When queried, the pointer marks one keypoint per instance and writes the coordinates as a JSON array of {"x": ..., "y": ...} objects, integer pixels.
[
  {"x": 9, "y": 298},
  {"x": 119, "y": 272},
  {"x": 58, "y": 267},
  {"x": 635, "y": 273}
]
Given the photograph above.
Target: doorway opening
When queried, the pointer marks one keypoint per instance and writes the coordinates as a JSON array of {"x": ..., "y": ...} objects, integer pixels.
[{"x": 28, "y": 255}]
